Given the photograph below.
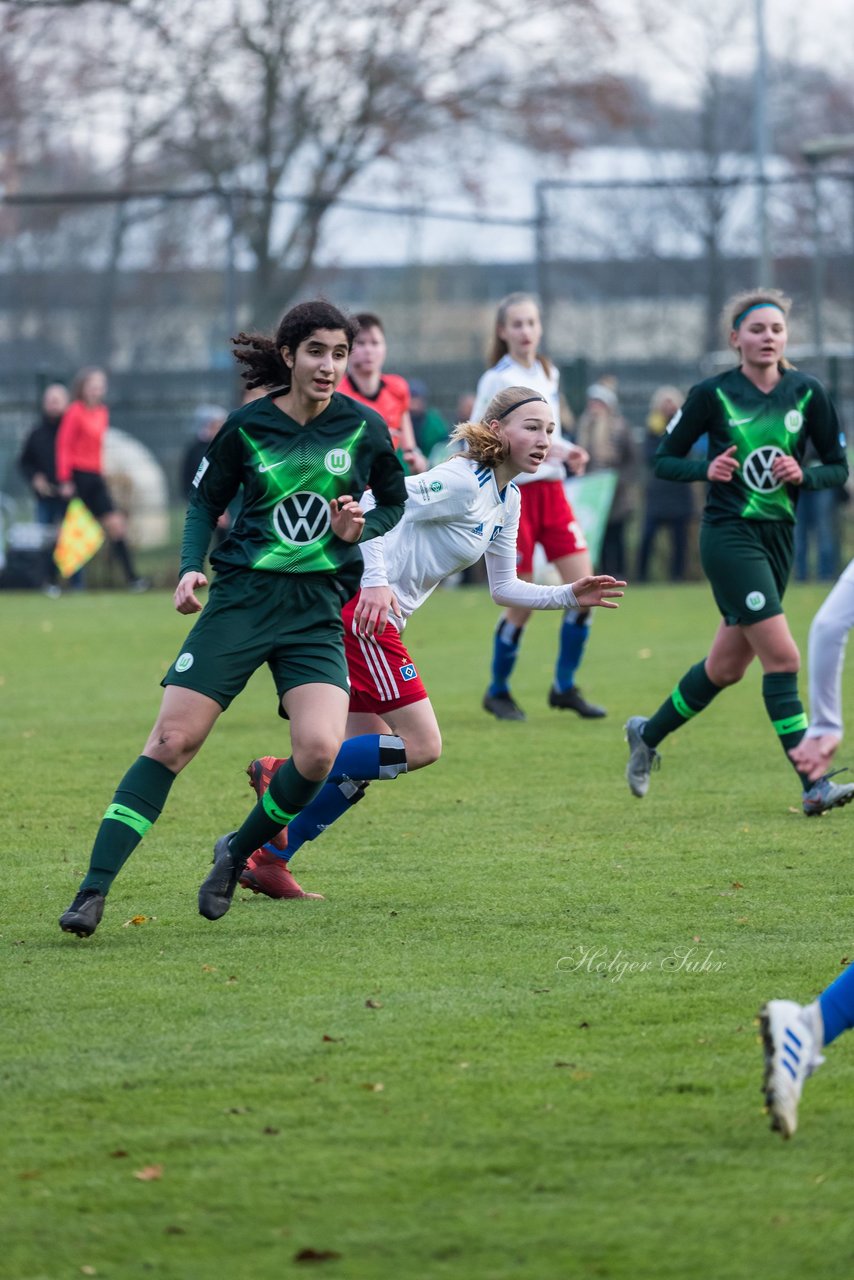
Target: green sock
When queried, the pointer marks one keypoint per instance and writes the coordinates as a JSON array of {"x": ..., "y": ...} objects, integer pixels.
[
  {"x": 137, "y": 804},
  {"x": 287, "y": 793},
  {"x": 692, "y": 694},
  {"x": 786, "y": 711}
]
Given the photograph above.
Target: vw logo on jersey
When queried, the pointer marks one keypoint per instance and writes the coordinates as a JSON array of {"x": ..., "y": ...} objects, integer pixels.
[
  {"x": 757, "y": 472},
  {"x": 755, "y": 600},
  {"x": 302, "y": 518},
  {"x": 793, "y": 420},
  {"x": 337, "y": 461}
]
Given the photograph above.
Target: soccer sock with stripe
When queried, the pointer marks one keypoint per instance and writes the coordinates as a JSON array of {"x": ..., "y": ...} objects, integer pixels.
[
  {"x": 371, "y": 755},
  {"x": 330, "y": 804},
  {"x": 786, "y": 712},
  {"x": 505, "y": 650},
  {"x": 837, "y": 1005},
  {"x": 137, "y": 804},
  {"x": 692, "y": 695},
  {"x": 574, "y": 633},
  {"x": 287, "y": 794}
]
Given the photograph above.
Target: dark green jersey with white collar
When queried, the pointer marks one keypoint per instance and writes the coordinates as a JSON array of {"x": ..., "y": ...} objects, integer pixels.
[
  {"x": 289, "y": 473},
  {"x": 762, "y": 426}
]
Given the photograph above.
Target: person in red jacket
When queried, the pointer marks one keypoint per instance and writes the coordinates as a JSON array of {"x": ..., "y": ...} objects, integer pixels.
[
  {"x": 80, "y": 464},
  {"x": 387, "y": 393}
]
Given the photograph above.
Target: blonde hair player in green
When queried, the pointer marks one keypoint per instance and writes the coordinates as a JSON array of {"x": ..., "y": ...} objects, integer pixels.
[{"x": 759, "y": 418}]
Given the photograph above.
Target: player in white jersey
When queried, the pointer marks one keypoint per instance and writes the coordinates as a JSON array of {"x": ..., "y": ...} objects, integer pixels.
[
  {"x": 455, "y": 513},
  {"x": 794, "y": 1035},
  {"x": 546, "y": 518}
]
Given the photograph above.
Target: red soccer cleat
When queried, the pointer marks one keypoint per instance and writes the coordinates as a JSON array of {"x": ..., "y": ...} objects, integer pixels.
[
  {"x": 260, "y": 772},
  {"x": 267, "y": 874}
]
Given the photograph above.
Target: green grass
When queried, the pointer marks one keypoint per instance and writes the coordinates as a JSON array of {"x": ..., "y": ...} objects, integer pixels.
[{"x": 537, "y": 1118}]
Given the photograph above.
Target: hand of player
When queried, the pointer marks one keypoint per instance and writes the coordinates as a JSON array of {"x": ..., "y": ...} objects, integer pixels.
[
  {"x": 185, "y": 597},
  {"x": 576, "y": 459},
  {"x": 813, "y": 756},
  {"x": 787, "y": 469},
  {"x": 372, "y": 610},
  {"x": 348, "y": 519},
  {"x": 724, "y": 466},
  {"x": 598, "y": 589}
]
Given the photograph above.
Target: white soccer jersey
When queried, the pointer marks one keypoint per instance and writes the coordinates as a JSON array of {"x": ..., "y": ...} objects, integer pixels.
[
  {"x": 453, "y": 514},
  {"x": 507, "y": 373}
]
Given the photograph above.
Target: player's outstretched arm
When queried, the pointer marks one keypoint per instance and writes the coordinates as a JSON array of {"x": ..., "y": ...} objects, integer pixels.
[
  {"x": 598, "y": 589},
  {"x": 813, "y": 756}
]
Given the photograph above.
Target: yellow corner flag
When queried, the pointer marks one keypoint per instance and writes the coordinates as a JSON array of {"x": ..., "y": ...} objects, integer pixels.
[{"x": 80, "y": 536}]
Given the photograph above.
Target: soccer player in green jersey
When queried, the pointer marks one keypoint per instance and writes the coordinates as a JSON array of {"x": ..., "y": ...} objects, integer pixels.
[
  {"x": 759, "y": 418},
  {"x": 303, "y": 455}
]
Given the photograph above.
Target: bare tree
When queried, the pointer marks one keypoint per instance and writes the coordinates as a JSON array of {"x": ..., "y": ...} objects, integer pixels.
[{"x": 285, "y": 101}]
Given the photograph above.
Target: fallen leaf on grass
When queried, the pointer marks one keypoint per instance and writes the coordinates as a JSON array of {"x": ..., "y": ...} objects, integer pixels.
[
  {"x": 373, "y": 1004},
  {"x": 332, "y": 1039},
  {"x": 845, "y": 960},
  {"x": 88, "y": 1271},
  {"x": 151, "y": 1173},
  {"x": 373, "y": 1087},
  {"x": 736, "y": 884},
  {"x": 565, "y": 1064},
  {"x": 29, "y": 1174},
  {"x": 118, "y": 1154},
  {"x": 237, "y": 1111},
  {"x": 208, "y": 968},
  {"x": 174, "y": 1231},
  {"x": 269, "y": 1129},
  {"x": 138, "y": 920},
  {"x": 316, "y": 1255},
  {"x": 229, "y": 982}
]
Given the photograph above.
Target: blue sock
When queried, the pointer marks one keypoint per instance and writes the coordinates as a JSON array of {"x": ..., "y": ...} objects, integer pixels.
[
  {"x": 371, "y": 755},
  {"x": 505, "y": 650},
  {"x": 331, "y": 803},
  {"x": 837, "y": 1005},
  {"x": 574, "y": 631}
]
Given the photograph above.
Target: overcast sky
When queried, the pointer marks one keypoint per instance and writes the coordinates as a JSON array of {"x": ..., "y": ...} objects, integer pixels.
[{"x": 818, "y": 31}]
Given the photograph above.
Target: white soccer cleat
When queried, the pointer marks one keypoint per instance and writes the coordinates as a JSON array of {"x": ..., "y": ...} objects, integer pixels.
[
  {"x": 642, "y": 759},
  {"x": 792, "y": 1053}
]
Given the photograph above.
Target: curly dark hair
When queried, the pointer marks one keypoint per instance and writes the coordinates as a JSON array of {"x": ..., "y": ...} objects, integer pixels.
[{"x": 262, "y": 355}]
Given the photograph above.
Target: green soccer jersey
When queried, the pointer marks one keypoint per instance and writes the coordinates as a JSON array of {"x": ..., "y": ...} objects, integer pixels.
[
  {"x": 763, "y": 426},
  {"x": 289, "y": 473}
]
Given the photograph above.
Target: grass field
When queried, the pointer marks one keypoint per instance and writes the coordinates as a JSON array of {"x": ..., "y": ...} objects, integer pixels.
[{"x": 430, "y": 1073}]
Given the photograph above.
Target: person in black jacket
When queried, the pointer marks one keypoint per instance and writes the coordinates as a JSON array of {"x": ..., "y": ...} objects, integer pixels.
[
  {"x": 668, "y": 505},
  {"x": 37, "y": 463}
]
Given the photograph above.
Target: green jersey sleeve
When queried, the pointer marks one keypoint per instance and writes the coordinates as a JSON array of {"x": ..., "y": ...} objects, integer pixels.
[
  {"x": 823, "y": 428},
  {"x": 685, "y": 428}
]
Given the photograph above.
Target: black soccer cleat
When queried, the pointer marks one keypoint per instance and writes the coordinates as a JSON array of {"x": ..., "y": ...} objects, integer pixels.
[
  {"x": 572, "y": 700},
  {"x": 217, "y": 889},
  {"x": 84, "y": 914},
  {"x": 503, "y": 707}
]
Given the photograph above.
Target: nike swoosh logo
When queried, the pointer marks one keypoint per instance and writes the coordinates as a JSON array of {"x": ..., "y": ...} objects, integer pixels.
[
  {"x": 739, "y": 422},
  {"x": 123, "y": 813},
  {"x": 271, "y": 467}
]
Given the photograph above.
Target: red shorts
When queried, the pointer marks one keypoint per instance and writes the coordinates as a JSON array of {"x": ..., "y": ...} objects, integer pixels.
[
  {"x": 546, "y": 518},
  {"x": 382, "y": 674}
]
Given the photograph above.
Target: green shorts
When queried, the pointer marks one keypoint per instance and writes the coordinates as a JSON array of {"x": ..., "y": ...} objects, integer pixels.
[
  {"x": 290, "y": 621},
  {"x": 748, "y": 563}
]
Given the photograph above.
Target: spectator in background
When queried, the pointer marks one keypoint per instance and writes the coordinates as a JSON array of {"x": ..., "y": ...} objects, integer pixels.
[
  {"x": 817, "y": 526},
  {"x": 430, "y": 428},
  {"x": 667, "y": 505},
  {"x": 80, "y": 465},
  {"x": 606, "y": 436},
  {"x": 207, "y": 420},
  {"x": 386, "y": 393},
  {"x": 37, "y": 463}
]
